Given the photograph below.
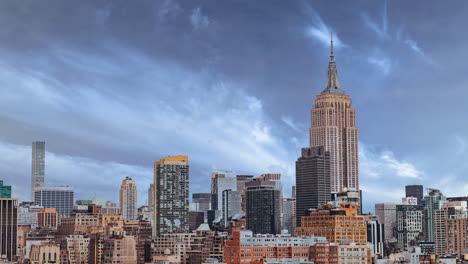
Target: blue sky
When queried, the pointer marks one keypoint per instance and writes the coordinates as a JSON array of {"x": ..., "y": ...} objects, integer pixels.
[{"x": 113, "y": 86}]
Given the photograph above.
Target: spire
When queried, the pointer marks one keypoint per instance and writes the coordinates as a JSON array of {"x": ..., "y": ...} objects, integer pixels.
[{"x": 333, "y": 86}]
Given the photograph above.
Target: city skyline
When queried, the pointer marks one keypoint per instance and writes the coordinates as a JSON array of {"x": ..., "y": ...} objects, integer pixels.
[{"x": 110, "y": 102}]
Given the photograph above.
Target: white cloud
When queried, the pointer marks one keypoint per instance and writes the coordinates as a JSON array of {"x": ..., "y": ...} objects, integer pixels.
[
  {"x": 198, "y": 20},
  {"x": 319, "y": 31},
  {"x": 383, "y": 64}
]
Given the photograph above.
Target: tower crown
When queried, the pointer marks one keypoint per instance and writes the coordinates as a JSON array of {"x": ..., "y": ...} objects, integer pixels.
[{"x": 333, "y": 86}]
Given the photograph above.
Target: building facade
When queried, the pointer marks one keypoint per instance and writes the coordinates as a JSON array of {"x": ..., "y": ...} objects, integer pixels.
[
  {"x": 231, "y": 205},
  {"x": 312, "y": 180},
  {"x": 409, "y": 224},
  {"x": 38, "y": 166},
  {"x": 453, "y": 208},
  {"x": 8, "y": 227},
  {"x": 333, "y": 125},
  {"x": 47, "y": 218},
  {"x": 375, "y": 235},
  {"x": 5, "y": 190},
  {"x": 335, "y": 224},
  {"x": 128, "y": 198},
  {"x": 263, "y": 207},
  {"x": 59, "y": 197},
  {"x": 432, "y": 202},
  {"x": 386, "y": 212},
  {"x": 171, "y": 195},
  {"x": 416, "y": 191}
]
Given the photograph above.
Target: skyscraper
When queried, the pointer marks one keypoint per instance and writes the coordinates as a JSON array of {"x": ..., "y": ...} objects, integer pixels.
[
  {"x": 151, "y": 197},
  {"x": 312, "y": 180},
  {"x": 171, "y": 195},
  {"x": 219, "y": 183},
  {"x": 37, "y": 165},
  {"x": 128, "y": 199},
  {"x": 432, "y": 202},
  {"x": 386, "y": 212},
  {"x": 8, "y": 227},
  {"x": 231, "y": 205},
  {"x": 416, "y": 191},
  {"x": 263, "y": 207},
  {"x": 59, "y": 197},
  {"x": 333, "y": 125}
]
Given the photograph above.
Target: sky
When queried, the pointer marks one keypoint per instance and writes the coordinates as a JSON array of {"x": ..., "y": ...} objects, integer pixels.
[{"x": 113, "y": 86}]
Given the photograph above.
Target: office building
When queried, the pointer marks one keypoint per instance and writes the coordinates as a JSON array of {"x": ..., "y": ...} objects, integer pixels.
[
  {"x": 37, "y": 166},
  {"x": 8, "y": 227},
  {"x": 128, "y": 199},
  {"x": 456, "y": 230},
  {"x": 241, "y": 180},
  {"x": 386, "y": 213},
  {"x": 47, "y": 218},
  {"x": 409, "y": 224},
  {"x": 312, "y": 180},
  {"x": 231, "y": 205},
  {"x": 416, "y": 191},
  {"x": 248, "y": 247},
  {"x": 289, "y": 215},
  {"x": 263, "y": 207},
  {"x": 201, "y": 202},
  {"x": 432, "y": 202},
  {"x": 171, "y": 192},
  {"x": 5, "y": 190},
  {"x": 335, "y": 223},
  {"x": 77, "y": 249},
  {"x": 334, "y": 127},
  {"x": 219, "y": 183},
  {"x": 59, "y": 197},
  {"x": 196, "y": 218},
  {"x": 375, "y": 235}
]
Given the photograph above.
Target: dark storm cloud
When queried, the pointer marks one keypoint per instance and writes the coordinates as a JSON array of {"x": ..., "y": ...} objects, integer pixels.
[{"x": 116, "y": 85}]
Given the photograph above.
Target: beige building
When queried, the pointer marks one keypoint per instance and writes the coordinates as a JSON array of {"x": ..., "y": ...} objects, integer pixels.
[
  {"x": 457, "y": 234},
  {"x": 333, "y": 125},
  {"x": 440, "y": 222},
  {"x": 352, "y": 253},
  {"x": 47, "y": 218},
  {"x": 119, "y": 249},
  {"x": 77, "y": 247},
  {"x": 129, "y": 199},
  {"x": 45, "y": 253}
]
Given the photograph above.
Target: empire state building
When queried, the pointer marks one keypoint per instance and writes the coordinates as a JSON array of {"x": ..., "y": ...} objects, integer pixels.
[{"x": 333, "y": 125}]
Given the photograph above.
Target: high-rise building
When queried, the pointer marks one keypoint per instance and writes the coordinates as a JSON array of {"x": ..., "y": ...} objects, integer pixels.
[
  {"x": 5, "y": 190},
  {"x": 231, "y": 205},
  {"x": 416, "y": 191},
  {"x": 201, "y": 201},
  {"x": 386, "y": 212},
  {"x": 334, "y": 126},
  {"x": 38, "y": 165},
  {"x": 171, "y": 195},
  {"x": 59, "y": 197},
  {"x": 456, "y": 230},
  {"x": 409, "y": 224},
  {"x": 151, "y": 197},
  {"x": 289, "y": 215},
  {"x": 312, "y": 180},
  {"x": 375, "y": 234},
  {"x": 432, "y": 202},
  {"x": 219, "y": 183},
  {"x": 128, "y": 199},
  {"x": 241, "y": 180},
  {"x": 77, "y": 249},
  {"x": 335, "y": 224},
  {"x": 450, "y": 209},
  {"x": 263, "y": 207},
  {"x": 8, "y": 227}
]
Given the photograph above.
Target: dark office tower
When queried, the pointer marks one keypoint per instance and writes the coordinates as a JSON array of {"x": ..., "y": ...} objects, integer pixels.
[
  {"x": 8, "y": 227},
  {"x": 5, "y": 190},
  {"x": 312, "y": 180},
  {"x": 37, "y": 165},
  {"x": 415, "y": 191},
  {"x": 263, "y": 207},
  {"x": 171, "y": 195},
  {"x": 375, "y": 234},
  {"x": 201, "y": 202}
]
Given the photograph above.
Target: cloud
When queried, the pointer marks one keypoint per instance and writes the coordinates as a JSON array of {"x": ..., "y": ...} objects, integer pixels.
[
  {"x": 198, "y": 20},
  {"x": 88, "y": 177},
  {"x": 319, "y": 31},
  {"x": 380, "y": 29},
  {"x": 383, "y": 64},
  {"x": 169, "y": 110},
  {"x": 290, "y": 123}
]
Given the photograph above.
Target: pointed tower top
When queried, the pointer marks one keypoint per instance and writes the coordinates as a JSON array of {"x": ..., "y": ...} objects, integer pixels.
[{"x": 333, "y": 86}]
